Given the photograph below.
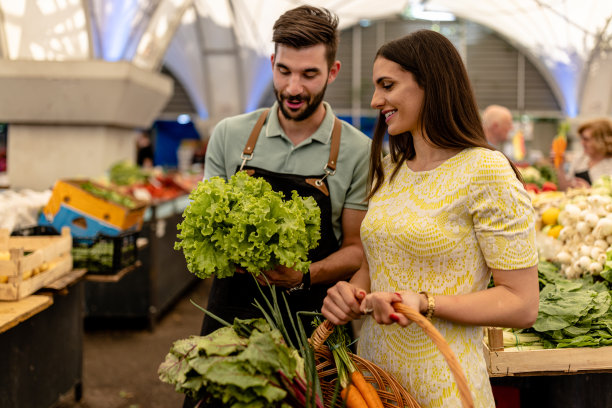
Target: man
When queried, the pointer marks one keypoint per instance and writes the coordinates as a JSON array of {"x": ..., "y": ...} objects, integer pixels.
[
  {"x": 299, "y": 145},
  {"x": 497, "y": 123}
]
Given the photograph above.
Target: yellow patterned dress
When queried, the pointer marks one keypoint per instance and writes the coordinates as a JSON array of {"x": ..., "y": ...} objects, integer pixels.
[{"x": 440, "y": 231}]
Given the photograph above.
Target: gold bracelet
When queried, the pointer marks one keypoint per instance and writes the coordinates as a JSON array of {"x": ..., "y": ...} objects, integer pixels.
[{"x": 431, "y": 305}]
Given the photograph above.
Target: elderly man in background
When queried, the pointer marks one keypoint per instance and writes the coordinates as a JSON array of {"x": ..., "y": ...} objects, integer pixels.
[{"x": 497, "y": 123}]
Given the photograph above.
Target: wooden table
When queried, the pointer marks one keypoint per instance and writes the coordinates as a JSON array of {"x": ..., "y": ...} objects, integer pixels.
[{"x": 41, "y": 338}]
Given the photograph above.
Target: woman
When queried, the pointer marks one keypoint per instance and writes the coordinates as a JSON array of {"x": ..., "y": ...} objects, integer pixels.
[
  {"x": 445, "y": 212},
  {"x": 596, "y": 139}
]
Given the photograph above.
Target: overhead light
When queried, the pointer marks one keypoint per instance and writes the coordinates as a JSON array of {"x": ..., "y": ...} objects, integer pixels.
[
  {"x": 415, "y": 10},
  {"x": 364, "y": 22},
  {"x": 183, "y": 119}
]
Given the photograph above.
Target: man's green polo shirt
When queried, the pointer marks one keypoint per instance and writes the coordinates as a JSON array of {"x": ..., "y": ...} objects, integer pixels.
[{"x": 275, "y": 152}]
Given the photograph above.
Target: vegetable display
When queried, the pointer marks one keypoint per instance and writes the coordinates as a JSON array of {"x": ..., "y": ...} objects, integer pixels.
[
  {"x": 243, "y": 222},
  {"x": 539, "y": 178},
  {"x": 124, "y": 173},
  {"x": 110, "y": 195},
  {"x": 573, "y": 312},
  {"x": 583, "y": 226}
]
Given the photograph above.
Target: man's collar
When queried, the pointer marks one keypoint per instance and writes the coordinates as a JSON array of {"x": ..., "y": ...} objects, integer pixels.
[{"x": 322, "y": 135}]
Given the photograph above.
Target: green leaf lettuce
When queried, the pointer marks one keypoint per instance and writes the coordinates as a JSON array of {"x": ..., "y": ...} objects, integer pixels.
[{"x": 243, "y": 222}]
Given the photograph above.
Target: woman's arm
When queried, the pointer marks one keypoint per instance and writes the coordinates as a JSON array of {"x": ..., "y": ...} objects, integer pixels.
[
  {"x": 513, "y": 302},
  {"x": 563, "y": 181}
]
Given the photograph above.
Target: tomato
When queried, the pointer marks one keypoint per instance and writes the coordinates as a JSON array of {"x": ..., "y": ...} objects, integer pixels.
[
  {"x": 549, "y": 186},
  {"x": 532, "y": 187}
]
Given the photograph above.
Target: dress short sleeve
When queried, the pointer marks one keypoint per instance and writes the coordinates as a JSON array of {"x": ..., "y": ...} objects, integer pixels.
[{"x": 502, "y": 213}]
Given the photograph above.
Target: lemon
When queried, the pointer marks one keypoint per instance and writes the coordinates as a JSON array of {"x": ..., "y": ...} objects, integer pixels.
[
  {"x": 554, "y": 231},
  {"x": 550, "y": 215}
]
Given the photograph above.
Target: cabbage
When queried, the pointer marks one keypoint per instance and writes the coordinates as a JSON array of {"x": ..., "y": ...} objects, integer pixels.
[{"x": 243, "y": 222}]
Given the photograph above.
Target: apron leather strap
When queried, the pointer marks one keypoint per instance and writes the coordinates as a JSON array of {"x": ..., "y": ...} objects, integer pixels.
[
  {"x": 330, "y": 167},
  {"x": 250, "y": 144},
  {"x": 247, "y": 153},
  {"x": 335, "y": 144}
]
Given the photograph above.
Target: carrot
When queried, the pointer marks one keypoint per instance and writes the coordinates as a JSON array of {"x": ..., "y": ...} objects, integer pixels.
[
  {"x": 367, "y": 390},
  {"x": 559, "y": 145},
  {"x": 353, "y": 398},
  {"x": 354, "y": 388}
]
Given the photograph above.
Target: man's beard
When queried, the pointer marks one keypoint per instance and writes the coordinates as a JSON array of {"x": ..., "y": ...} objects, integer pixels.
[{"x": 311, "y": 105}]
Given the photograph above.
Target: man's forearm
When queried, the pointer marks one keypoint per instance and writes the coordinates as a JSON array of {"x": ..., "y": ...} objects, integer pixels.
[{"x": 339, "y": 265}]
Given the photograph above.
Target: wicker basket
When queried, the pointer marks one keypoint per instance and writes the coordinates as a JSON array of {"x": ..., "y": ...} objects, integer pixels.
[{"x": 392, "y": 394}]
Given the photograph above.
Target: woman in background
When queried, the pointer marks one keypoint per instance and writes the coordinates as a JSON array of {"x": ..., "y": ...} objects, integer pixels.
[
  {"x": 445, "y": 212},
  {"x": 596, "y": 160}
]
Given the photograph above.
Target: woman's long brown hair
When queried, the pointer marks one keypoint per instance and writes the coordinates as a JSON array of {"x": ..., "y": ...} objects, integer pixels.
[{"x": 449, "y": 114}]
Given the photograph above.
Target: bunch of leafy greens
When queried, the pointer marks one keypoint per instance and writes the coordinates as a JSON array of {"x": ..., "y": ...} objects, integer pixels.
[
  {"x": 243, "y": 222},
  {"x": 125, "y": 173},
  {"x": 244, "y": 365},
  {"x": 573, "y": 312},
  {"x": 250, "y": 363}
]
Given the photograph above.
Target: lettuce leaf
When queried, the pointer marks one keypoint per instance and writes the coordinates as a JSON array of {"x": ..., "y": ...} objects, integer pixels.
[{"x": 243, "y": 222}]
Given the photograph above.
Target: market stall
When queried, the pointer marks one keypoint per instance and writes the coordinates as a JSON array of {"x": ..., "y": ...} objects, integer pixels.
[
  {"x": 146, "y": 289},
  {"x": 565, "y": 358},
  {"x": 124, "y": 228},
  {"x": 41, "y": 321}
]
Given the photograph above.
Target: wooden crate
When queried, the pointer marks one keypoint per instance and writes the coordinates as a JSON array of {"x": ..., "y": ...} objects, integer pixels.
[
  {"x": 72, "y": 194},
  {"x": 515, "y": 362},
  {"x": 32, "y": 262}
]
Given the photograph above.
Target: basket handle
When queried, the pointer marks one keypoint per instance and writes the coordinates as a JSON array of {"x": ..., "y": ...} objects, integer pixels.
[{"x": 323, "y": 331}]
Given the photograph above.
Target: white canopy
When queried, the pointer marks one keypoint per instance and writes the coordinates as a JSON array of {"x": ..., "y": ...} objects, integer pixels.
[{"x": 219, "y": 49}]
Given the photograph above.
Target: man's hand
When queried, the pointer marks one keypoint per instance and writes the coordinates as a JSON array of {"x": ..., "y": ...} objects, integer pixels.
[{"x": 281, "y": 276}]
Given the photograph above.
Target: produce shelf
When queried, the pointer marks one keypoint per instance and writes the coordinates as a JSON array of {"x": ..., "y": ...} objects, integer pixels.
[{"x": 515, "y": 362}]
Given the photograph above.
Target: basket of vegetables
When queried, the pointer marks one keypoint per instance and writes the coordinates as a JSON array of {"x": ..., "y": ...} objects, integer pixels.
[
  {"x": 364, "y": 384},
  {"x": 253, "y": 363}
]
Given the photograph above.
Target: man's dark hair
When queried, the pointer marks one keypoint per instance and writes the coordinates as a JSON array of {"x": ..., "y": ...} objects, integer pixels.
[{"x": 306, "y": 26}]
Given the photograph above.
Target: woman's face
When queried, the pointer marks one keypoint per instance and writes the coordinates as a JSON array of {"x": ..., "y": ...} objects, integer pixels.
[
  {"x": 589, "y": 144},
  {"x": 398, "y": 97}
]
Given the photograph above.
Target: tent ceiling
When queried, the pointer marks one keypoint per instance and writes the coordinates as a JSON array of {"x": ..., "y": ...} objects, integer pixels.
[
  {"x": 565, "y": 36},
  {"x": 220, "y": 49}
]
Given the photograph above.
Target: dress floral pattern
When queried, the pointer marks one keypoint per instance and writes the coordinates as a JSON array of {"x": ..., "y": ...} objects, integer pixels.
[{"x": 440, "y": 231}]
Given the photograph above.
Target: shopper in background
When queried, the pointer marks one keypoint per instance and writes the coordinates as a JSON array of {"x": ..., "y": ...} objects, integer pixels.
[
  {"x": 446, "y": 211},
  {"x": 144, "y": 150},
  {"x": 596, "y": 159},
  {"x": 294, "y": 151},
  {"x": 497, "y": 123}
]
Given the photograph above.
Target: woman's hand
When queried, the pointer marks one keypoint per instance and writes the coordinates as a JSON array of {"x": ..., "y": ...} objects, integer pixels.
[
  {"x": 380, "y": 305},
  {"x": 578, "y": 182},
  {"x": 342, "y": 303}
]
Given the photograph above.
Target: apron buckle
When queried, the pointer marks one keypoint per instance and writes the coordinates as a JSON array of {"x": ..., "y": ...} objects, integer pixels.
[
  {"x": 244, "y": 158},
  {"x": 328, "y": 172}
]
